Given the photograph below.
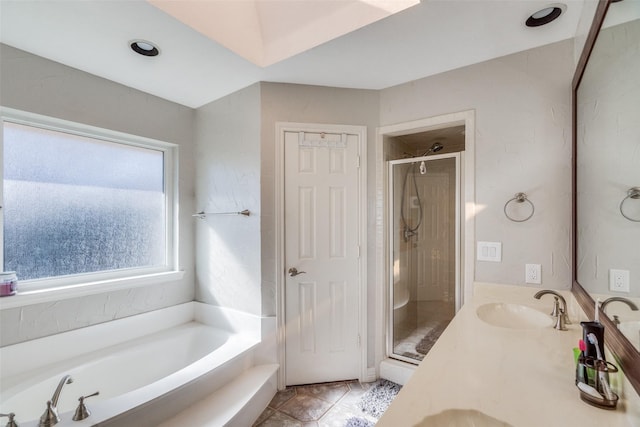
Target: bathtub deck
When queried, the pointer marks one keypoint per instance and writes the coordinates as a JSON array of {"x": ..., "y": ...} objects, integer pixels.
[
  {"x": 238, "y": 403},
  {"x": 234, "y": 367}
]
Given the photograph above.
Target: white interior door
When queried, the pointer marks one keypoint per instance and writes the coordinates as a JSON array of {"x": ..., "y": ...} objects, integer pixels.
[{"x": 321, "y": 240}]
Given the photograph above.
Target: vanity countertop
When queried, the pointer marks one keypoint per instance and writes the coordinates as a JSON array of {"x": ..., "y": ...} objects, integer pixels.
[{"x": 523, "y": 377}]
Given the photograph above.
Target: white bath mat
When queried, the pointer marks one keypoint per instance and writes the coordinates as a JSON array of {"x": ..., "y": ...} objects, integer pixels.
[
  {"x": 378, "y": 398},
  {"x": 358, "y": 422}
]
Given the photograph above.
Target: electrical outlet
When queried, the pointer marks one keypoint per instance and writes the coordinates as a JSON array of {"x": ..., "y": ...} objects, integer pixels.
[
  {"x": 533, "y": 274},
  {"x": 619, "y": 280}
]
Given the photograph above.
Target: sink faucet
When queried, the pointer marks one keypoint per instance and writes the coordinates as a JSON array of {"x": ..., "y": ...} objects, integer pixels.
[
  {"x": 606, "y": 302},
  {"x": 50, "y": 416},
  {"x": 560, "y": 313}
]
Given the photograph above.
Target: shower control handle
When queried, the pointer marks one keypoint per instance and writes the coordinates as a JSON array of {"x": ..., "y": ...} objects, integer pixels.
[{"x": 293, "y": 272}]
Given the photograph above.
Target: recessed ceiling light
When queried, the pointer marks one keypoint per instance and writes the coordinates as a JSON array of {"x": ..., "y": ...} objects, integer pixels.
[
  {"x": 144, "y": 47},
  {"x": 545, "y": 15}
]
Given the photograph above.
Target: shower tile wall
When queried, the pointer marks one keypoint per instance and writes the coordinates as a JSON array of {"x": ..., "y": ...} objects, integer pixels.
[{"x": 434, "y": 270}]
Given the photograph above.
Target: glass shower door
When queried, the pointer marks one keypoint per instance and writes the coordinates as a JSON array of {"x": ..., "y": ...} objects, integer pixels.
[{"x": 424, "y": 252}]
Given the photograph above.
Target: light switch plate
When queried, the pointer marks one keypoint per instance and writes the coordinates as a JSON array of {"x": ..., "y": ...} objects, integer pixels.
[{"x": 489, "y": 251}]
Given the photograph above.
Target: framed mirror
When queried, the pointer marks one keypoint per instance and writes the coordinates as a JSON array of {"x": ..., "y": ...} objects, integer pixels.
[{"x": 606, "y": 179}]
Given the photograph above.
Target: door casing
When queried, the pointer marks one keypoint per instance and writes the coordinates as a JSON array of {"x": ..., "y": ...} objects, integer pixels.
[
  {"x": 361, "y": 131},
  {"x": 467, "y": 215}
]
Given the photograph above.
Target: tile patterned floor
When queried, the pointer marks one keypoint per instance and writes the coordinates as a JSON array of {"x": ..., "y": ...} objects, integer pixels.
[{"x": 317, "y": 405}]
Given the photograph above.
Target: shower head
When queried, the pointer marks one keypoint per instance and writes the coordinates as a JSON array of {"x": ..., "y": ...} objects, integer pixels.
[{"x": 434, "y": 149}]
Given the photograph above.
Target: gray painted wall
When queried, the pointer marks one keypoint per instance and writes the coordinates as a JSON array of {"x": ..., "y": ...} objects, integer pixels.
[
  {"x": 235, "y": 256},
  {"x": 307, "y": 104},
  {"x": 522, "y": 104},
  {"x": 313, "y": 104},
  {"x": 523, "y": 144},
  {"x": 228, "y": 180},
  {"x": 37, "y": 85}
]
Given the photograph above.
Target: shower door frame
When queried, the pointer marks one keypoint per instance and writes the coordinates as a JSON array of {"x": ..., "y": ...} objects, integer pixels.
[{"x": 390, "y": 238}]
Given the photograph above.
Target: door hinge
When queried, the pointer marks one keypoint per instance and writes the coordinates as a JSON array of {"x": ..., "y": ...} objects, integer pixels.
[
  {"x": 359, "y": 341},
  {"x": 358, "y": 251},
  {"x": 357, "y": 161}
]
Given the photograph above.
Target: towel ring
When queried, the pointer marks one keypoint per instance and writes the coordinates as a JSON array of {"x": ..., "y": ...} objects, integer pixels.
[
  {"x": 519, "y": 198},
  {"x": 632, "y": 193}
]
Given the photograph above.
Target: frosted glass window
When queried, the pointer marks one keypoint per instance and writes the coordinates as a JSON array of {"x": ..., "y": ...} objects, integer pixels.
[{"x": 76, "y": 205}]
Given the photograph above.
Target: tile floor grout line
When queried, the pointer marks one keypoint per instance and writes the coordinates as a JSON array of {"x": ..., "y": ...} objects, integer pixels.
[{"x": 316, "y": 407}]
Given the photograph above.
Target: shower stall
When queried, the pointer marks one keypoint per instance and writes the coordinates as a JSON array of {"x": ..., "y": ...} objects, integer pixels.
[{"x": 424, "y": 250}]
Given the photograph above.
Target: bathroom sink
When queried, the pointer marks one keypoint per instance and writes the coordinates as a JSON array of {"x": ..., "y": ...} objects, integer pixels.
[
  {"x": 514, "y": 316},
  {"x": 461, "y": 418}
]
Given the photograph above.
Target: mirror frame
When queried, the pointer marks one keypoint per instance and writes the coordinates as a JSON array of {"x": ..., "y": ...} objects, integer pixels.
[{"x": 624, "y": 352}]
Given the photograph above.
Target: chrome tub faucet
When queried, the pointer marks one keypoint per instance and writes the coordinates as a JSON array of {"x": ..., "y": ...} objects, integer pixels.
[{"x": 50, "y": 416}]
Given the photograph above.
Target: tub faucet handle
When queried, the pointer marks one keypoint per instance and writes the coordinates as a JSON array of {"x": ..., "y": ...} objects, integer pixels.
[
  {"x": 11, "y": 422},
  {"x": 81, "y": 411}
]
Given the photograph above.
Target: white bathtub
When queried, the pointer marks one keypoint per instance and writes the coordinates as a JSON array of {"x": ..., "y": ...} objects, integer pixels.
[{"x": 146, "y": 368}]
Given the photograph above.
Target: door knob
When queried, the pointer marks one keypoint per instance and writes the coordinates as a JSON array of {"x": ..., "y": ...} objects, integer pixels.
[{"x": 293, "y": 272}]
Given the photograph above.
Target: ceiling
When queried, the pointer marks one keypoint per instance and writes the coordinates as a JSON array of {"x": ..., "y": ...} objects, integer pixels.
[
  {"x": 268, "y": 31},
  {"x": 192, "y": 69}
]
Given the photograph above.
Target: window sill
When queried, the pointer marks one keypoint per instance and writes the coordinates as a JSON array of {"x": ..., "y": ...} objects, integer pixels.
[{"x": 80, "y": 290}]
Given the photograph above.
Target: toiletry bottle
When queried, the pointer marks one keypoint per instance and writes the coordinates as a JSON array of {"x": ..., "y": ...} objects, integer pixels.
[
  {"x": 8, "y": 283},
  {"x": 581, "y": 369}
]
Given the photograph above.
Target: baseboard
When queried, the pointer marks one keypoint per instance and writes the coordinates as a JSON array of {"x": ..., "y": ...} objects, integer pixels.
[
  {"x": 396, "y": 371},
  {"x": 370, "y": 376}
]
